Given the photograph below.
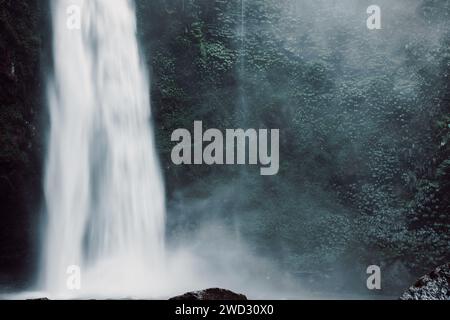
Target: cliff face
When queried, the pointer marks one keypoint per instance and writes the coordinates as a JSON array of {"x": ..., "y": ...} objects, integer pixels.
[{"x": 23, "y": 26}]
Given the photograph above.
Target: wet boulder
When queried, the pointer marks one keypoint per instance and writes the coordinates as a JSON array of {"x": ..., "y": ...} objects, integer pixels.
[
  {"x": 433, "y": 286},
  {"x": 210, "y": 294}
]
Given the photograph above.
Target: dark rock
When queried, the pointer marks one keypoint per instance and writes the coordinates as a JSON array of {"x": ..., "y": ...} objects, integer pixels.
[
  {"x": 434, "y": 286},
  {"x": 211, "y": 294}
]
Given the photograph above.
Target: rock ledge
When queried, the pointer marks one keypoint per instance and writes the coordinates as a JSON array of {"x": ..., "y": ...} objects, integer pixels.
[
  {"x": 210, "y": 294},
  {"x": 434, "y": 286}
]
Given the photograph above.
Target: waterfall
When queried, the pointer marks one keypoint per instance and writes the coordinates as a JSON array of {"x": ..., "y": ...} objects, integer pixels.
[
  {"x": 243, "y": 103},
  {"x": 104, "y": 194}
]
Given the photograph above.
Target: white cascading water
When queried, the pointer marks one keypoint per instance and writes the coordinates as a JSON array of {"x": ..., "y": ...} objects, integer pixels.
[{"x": 103, "y": 187}]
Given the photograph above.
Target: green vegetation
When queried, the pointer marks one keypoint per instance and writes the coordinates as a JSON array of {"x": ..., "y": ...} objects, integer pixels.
[{"x": 364, "y": 120}]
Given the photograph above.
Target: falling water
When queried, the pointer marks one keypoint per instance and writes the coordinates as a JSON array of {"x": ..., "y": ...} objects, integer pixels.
[
  {"x": 103, "y": 188},
  {"x": 243, "y": 104}
]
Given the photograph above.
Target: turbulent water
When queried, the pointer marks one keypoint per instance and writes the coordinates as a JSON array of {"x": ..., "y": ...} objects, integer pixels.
[{"x": 103, "y": 188}]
